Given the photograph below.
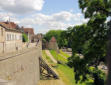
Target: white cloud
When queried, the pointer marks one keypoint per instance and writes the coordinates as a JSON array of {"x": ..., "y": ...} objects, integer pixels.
[
  {"x": 42, "y": 22},
  {"x": 60, "y": 20},
  {"x": 5, "y": 16},
  {"x": 21, "y": 6}
]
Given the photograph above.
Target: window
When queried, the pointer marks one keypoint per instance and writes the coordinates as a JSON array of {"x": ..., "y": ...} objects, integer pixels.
[
  {"x": 1, "y": 31},
  {"x": 15, "y": 37},
  {"x": 7, "y": 37}
]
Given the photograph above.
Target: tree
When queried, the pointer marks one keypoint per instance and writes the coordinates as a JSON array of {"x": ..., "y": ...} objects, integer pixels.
[
  {"x": 58, "y": 34},
  {"x": 66, "y": 37},
  {"x": 90, "y": 41},
  {"x": 24, "y": 37},
  {"x": 103, "y": 7}
]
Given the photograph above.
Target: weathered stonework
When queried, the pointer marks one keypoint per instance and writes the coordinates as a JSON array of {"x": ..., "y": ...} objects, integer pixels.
[
  {"x": 10, "y": 40},
  {"x": 53, "y": 44},
  {"x": 22, "y": 69}
]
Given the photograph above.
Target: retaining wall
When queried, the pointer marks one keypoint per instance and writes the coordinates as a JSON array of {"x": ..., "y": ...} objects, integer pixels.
[{"x": 22, "y": 69}]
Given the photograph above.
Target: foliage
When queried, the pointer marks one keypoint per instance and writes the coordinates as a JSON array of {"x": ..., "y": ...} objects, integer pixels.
[
  {"x": 64, "y": 54},
  {"x": 65, "y": 37},
  {"x": 90, "y": 40},
  {"x": 56, "y": 34},
  {"x": 62, "y": 36},
  {"x": 24, "y": 37},
  {"x": 66, "y": 73}
]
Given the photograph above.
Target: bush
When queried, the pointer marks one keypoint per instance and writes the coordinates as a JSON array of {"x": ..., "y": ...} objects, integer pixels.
[{"x": 24, "y": 37}]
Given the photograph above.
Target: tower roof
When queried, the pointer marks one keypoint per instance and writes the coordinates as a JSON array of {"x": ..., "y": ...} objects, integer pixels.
[{"x": 53, "y": 39}]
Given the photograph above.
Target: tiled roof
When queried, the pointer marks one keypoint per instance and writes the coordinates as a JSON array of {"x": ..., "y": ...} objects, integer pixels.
[
  {"x": 9, "y": 25},
  {"x": 53, "y": 39},
  {"x": 29, "y": 30}
]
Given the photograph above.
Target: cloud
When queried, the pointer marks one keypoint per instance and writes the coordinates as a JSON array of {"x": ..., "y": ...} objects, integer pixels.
[
  {"x": 21, "y": 6},
  {"x": 43, "y": 23},
  {"x": 5, "y": 16},
  {"x": 60, "y": 20}
]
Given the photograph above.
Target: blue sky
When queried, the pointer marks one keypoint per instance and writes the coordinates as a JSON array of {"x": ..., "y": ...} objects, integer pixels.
[
  {"x": 42, "y": 15},
  {"x": 54, "y": 6}
]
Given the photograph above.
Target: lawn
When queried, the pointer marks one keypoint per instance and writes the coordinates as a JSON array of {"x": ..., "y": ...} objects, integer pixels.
[
  {"x": 44, "y": 55},
  {"x": 58, "y": 57},
  {"x": 65, "y": 72},
  {"x": 64, "y": 54}
]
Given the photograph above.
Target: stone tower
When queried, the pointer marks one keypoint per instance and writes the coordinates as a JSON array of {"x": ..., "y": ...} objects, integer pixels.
[{"x": 53, "y": 44}]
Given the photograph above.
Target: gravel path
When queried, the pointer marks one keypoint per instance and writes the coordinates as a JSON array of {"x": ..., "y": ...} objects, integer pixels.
[{"x": 51, "y": 57}]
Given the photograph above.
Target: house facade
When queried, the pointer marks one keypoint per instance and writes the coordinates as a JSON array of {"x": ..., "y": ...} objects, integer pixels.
[
  {"x": 30, "y": 33},
  {"x": 10, "y": 37},
  {"x": 37, "y": 37}
]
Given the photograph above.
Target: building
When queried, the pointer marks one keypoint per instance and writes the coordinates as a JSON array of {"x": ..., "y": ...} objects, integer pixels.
[
  {"x": 53, "y": 44},
  {"x": 37, "y": 37},
  {"x": 30, "y": 33},
  {"x": 10, "y": 37}
]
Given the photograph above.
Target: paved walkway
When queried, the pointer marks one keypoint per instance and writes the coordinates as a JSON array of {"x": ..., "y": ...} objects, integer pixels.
[
  {"x": 50, "y": 55},
  {"x": 21, "y": 68},
  {"x": 51, "y": 82},
  {"x": 4, "y": 56}
]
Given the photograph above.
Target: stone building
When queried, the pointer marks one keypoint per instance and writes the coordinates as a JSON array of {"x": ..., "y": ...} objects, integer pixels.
[
  {"x": 37, "y": 37},
  {"x": 10, "y": 37},
  {"x": 30, "y": 33},
  {"x": 53, "y": 44}
]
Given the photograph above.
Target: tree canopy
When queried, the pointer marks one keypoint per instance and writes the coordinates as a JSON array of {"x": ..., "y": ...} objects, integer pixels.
[
  {"x": 89, "y": 41},
  {"x": 60, "y": 35}
]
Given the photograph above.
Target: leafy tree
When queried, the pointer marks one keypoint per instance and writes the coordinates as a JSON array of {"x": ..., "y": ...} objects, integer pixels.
[
  {"x": 57, "y": 35},
  {"x": 90, "y": 41},
  {"x": 66, "y": 38},
  {"x": 24, "y": 37},
  {"x": 93, "y": 8}
]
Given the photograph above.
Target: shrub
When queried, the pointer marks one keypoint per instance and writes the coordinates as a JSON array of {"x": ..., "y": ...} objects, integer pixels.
[{"x": 24, "y": 37}]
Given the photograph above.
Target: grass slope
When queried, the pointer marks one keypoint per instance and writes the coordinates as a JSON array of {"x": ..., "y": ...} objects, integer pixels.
[
  {"x": 64, "y": 54},
  {"x": 58, "y": 57},
  {"x": 65, "y": 72}
]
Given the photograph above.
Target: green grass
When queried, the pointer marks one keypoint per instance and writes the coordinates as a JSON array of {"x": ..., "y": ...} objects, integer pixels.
[
  {"x": 67, "y": 75},
  {"x": 58, "y": 57},
  {"x": 64, "y": 54},
  {"x": 65, "y": 72},
  {"x": 46, "y": 57}
]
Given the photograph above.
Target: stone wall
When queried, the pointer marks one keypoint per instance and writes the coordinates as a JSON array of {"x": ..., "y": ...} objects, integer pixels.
[
  {"x": 2, "y": 34},
  {"x": 22, "y": 69},
  {"x": 1, "y": 47},
  {"x": 13, "y": 46},
  {"x": 53, "y": 46}
]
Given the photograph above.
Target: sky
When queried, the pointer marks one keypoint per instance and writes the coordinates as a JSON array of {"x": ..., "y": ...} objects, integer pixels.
[{"x": 42, "y": 15}]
